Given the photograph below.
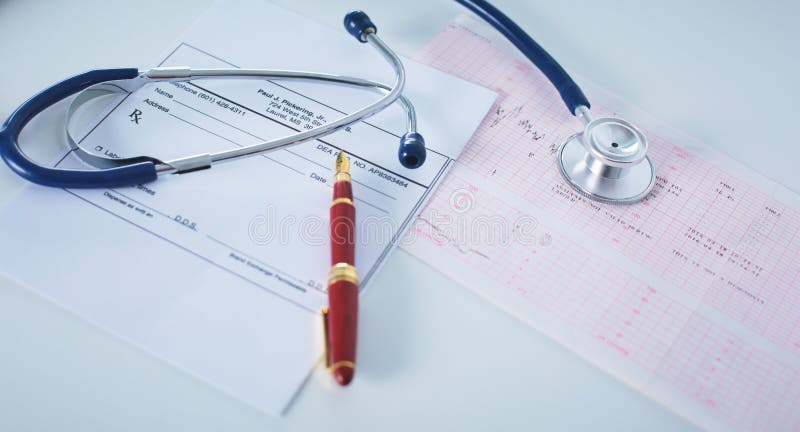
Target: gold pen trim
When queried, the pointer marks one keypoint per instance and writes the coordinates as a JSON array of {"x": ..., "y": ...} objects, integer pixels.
[
  {"x": 342, "y": 271},
  {"x": 342, "y": 200},
  {"x": 342, "y": 176},
  {"x": 326, "y": 334},
  {"x": 343, "y": 363}
]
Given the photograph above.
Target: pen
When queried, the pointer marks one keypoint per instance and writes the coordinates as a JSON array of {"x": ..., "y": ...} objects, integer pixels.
[{"x": 341, "y": 316}]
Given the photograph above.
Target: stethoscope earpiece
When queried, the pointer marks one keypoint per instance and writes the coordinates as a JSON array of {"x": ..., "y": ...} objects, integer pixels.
[
  {"x": 412, "y": 150},
  {"x": 358, "y": 24}
]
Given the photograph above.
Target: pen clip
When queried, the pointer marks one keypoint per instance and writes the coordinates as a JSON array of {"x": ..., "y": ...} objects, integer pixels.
[{"x": 326, "y": 335}]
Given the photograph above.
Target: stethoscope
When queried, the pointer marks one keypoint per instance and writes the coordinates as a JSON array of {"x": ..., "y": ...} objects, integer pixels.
[
  {"x": 607, "y": 161},
  {"x": 115, "y": 172}
]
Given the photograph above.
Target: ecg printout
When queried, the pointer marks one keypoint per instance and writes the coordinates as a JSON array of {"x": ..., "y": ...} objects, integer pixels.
[
  {"x": 691, "y": 297},
  {"x": 223, "y": 272}
]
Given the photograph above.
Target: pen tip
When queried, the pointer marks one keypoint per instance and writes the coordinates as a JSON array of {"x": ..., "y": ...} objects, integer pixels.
[
  {"x": 343, "y": 375},
  {"x": 342, "y": 162}
]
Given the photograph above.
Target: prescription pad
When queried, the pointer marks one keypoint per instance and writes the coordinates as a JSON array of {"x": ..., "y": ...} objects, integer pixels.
[{"x": 222, "y": 272}]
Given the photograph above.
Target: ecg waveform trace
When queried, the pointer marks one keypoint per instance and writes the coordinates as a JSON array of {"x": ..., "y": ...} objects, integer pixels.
[{"x": 717, "y": 238}]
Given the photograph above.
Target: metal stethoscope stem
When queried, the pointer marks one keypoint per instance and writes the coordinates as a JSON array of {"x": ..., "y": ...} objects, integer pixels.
[
  {"x": 394, "y": 93},
  {"x": 391, "y": 94},
  {"x": 114, "y": 172}
]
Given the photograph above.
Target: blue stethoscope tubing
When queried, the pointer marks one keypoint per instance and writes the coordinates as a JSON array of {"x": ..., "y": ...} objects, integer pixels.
[
  {"x": 608, "y": 160},
  {"x": 143, "y": 171},
  {"x": 570, "y": 92}
]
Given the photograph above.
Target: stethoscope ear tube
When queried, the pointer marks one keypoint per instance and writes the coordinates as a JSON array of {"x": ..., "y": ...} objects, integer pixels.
[
  {"x": 140, "y": 172},
  {"x": 570, "y": 92},
  {"x": 115, "y": 172},
  {"x": 411, "y": 152}
]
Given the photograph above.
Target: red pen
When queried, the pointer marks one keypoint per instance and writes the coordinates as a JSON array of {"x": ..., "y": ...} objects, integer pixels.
[{"x": 341, "y": 316}]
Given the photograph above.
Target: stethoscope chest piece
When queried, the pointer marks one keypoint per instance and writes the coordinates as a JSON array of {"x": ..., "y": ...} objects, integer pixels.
[{"x": 608, "y": 162}]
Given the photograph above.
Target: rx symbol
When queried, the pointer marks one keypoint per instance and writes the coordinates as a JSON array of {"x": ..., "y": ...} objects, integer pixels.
[{"x": 136, "y": 115}]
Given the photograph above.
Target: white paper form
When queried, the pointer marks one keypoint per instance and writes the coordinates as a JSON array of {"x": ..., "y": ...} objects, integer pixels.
[
  {"x": 691, "y": 297},
  {"x": 221, "y": 272}
]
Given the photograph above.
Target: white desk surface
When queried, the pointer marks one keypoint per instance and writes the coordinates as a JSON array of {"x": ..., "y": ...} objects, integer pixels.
[{"x": 433, "y": 356}]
